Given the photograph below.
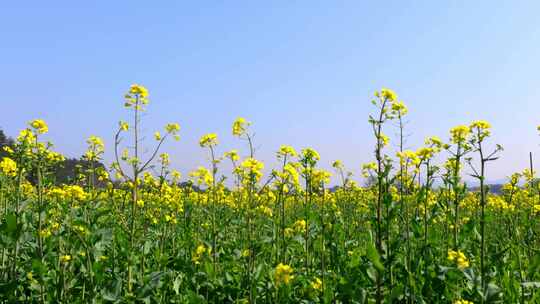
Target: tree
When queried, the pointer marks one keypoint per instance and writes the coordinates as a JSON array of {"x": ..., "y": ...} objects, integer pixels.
[{"x": 4, "y": 141}]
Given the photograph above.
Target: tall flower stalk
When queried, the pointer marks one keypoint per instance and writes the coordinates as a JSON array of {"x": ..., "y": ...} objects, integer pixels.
[
  {"x": 480, "y": 130},
  {"x": 286, "y": 178},
  {"x": 383, "y": 102},
  {"x": 210, "y": 141},
  {"x": 458, "y": 137},
  {"x": 136, "y": 99},
  {"x": 308, "y": 160}
]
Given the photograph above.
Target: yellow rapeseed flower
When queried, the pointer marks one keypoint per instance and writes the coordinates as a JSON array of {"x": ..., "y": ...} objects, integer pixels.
[
  {"x": 283, "y": 274},
  {"x": 136, "y": 89},
  {"x": 240, "y": 126},
  {"x": 310, "y": 155},
  {"x": 337, "y": 164},
  {"x": 316, "y": 284},
  {"x": 290, "y": 173},
  {"x": 199, "y": 253},
  {"x": 164, "y": 159},
  {"x": 95, "y": 148},
  {"x": 173, "y": 128},
  {"x": 124, "y": 126},
  {"x": 459, "y": 258},
  {"x": 300, "y": 225},
  {"x": 232, "y": 155},
  {"x": 286, "y": 151},
  {"x": 434, "y": 142},
  {"x": 26, "y": 137},
  {"x": 40, "y": 126},
  {"x": 387, "y": 94},
  {"x": 253, "y": 166},
  {"x": 368, "y": 168},
  {"x": 480, "y": 129},
  {"x": 425, "y": 153},
  {"x": 208, "y": 140},
  {"x": 408, "y": 157},
  {"x": 65, "y": 258},
  {"x": 459, "y": 134},
  {"x": 176, "y": 175},
  {"x": 202, "y": 176},
  {"x": 321, "y": 176},
  {"x": 136, "y": 97},
  {"x": 399, "y": 108},
  {"x": 384, "y": 140},
  {"x": 8, "y": 166},
  {"x": 75, "y": 192}
]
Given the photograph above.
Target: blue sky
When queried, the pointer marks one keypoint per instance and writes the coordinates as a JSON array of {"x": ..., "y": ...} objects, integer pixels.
[{"x": 302, "y": 71}]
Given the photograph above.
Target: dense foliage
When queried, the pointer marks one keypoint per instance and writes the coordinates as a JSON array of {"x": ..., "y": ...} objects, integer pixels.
[{"x": 122, "y": 234}]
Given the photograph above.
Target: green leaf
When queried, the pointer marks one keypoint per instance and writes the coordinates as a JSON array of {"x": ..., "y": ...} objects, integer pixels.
[
  {"x": 397, "y": 292},
  {"x": 11, "y": 223},
  {"x": 176, "y": 284},
  {"x": 374, "y": 258}
]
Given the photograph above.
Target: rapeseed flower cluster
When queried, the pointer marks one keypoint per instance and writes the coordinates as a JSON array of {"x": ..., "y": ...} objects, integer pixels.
[
  {"x": 208, "y": 140},
  {"x": 39, "y": 126},
  {"x": 240, "y": 126},
  {"x": 459, "y": 134},
  {"x": 8, "y": 166},
  {"x": 136, "y": 97},
  {"x": 95, "y": 150},
  {"x": 459, "y": 258},
  {"x": 283, "y": 274},
  {"x": 199, "y": 253},
  {"x": 252, "y": 168}
]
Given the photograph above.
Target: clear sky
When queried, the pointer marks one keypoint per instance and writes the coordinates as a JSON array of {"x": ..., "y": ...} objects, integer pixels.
[{"x": 302, "y": 71}]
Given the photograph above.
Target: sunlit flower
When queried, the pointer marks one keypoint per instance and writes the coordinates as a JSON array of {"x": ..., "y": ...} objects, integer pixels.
[
  {"x": 480, "y": 129},
  {"x": 337, "y": 164},
  {"x": 232, "y": 155},
  {"x": 253, "y": 167},
  {"x": 459, "y": 258},
  {"x": 136, "y": 97},
  {"x": 8, "y": 166},
  {"x": 283, "y": 274},
  {"x": 199, "y": 253},
  {"x": 368, "y": 169},
  {"x": 173, "y": 128},
  {"x": 299, "y": 226},
  {"x": 286, "y": 151},
  {"x": 40, "y": 126},
  {"x": 208, "y": 140},
  {"x": 65, "y": 258},
  {"x": 316, "y": 284},
  {"x": 387, "y": 94},
  {"x": 136, "y": 89},
  {"x": 124, "y": 126},
  {"x": 96, "y": 148},
  {"x": 202, "y": 176},
  {"x": 399, "y": 108},
  {"x": 459, "y": 134},
  {"x": 240, "y": 126}
]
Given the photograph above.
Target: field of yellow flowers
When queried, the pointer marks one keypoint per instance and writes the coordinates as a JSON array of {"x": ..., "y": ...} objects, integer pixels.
[{"x": 414, "y": 233}]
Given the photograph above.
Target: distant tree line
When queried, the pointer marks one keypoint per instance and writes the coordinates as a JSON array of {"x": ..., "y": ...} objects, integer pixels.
[
  {"x": 65, "y": 172},
  {"x": 4, "y": 141}
]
